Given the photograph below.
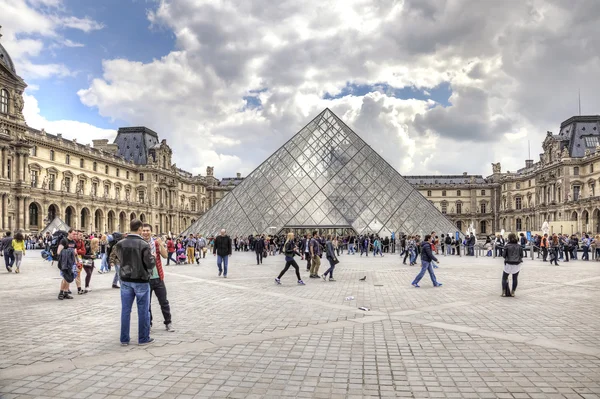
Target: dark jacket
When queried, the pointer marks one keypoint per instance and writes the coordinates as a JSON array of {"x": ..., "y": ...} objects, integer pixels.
[
  {"x": 259, "y": 245},
  {"x": 222, "y": 246},
  {"x": 290, "y": 249},
  {"x": 135, "y": 257},
  {"x": 6, "y": 244},
  {"x": 426, "y": 253},
  {"x": 513, "y": 254}
]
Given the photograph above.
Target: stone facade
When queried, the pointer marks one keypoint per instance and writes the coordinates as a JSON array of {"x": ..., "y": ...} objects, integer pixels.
[{"x": 95, "y": 188}]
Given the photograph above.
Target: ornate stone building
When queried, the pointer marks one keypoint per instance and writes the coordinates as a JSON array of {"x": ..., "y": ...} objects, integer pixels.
[
  {"x": 95, "y": 188},
  {"x": 560, "y": 188}
]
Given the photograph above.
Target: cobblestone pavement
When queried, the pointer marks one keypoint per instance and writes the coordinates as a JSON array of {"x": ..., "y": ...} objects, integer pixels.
[{"x": 245, "y": 337}]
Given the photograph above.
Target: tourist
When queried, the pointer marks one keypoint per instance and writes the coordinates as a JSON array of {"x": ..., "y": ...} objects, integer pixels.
[
  {"x": 574, "y": 246},
  {"x": 222, "y": 249},
  {"x": 157, "y": 280},
  {"x": 315, "y": 255},
  {"x": 259, "y": 247},
  {"x": 426, "y": 257},
  {"x": 170, "y": 250},
  {"x": 365, "y": 245},
  {"x": 190, "y": 244},
  {"x": 513, "y": 257},
  {"x": 564, "y": 247},
  {"x": 137, "y": 264},
  {"x": 330, "y": 254},
  {"x": 112, "y": 241},
  {"x": 202, "y": 246},
  {"x": 544, "y": 245},
  {"x": 104, "y": 259},
  {"x": 92, "y": 247},
  {"x": 585, "y": 245},
  {"x": 18, "y": 246},
  {"x": 597, "y": 250},
  {"x": 377, "y": 247},
  {"x": 554, "y": 244},
  {"x": 67, "y": 263},
  {"x": 8, "y": 252},
  {"x": 351, "y": 242},
  {"x": 305, "y": 247},
  {"x": 289, "y": 250}
]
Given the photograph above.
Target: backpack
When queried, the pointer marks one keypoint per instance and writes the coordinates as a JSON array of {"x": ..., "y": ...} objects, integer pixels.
[
  {"x": 57, "y": 237},
  {"x": 116, "y": 238}
]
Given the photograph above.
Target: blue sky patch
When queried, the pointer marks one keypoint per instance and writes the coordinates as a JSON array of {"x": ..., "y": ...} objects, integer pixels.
[{"x": 440, "y": 93}]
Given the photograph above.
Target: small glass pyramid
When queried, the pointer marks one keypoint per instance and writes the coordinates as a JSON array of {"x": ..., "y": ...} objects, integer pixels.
[{"x": 324, "y": 176}]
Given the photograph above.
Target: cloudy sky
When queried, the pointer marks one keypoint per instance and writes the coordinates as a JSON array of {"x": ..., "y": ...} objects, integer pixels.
[{"x": 435, "y": 86}]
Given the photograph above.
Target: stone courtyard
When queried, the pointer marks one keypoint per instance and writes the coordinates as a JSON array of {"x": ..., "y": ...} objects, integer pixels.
[{"x": 245, "y": 337}]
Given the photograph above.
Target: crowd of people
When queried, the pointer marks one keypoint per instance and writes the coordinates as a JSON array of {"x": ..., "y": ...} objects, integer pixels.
[{"x": 136, "y": 257}]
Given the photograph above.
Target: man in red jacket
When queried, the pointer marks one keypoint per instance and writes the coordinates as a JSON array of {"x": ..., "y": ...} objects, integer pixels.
[{"x": 157, "y": 280}]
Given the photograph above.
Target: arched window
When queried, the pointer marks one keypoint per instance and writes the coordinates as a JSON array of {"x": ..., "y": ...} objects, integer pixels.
[{"x": 4, "y": 101}]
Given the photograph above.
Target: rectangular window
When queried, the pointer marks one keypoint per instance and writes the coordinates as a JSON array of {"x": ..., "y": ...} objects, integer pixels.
[
  {"x": 576, "y": 191},
  {"x": 459, "y": 208},
  {"x": 118, "y": 172},
  {"x": 117, "y": 193},
  {"x": 593, "y": 190},
  {"x": 193, "y": 189},
  {"x": 429, "y": 193},
  {"x": 519, "y": 224},
  {"x": 482, "y": 192},
  {"x": 529, "y": 183},
  {"x": 95, "y": 166},
  {"x": 106, "y": 169},
  {"x": 8, "y": 171},
  {"x": 94, "y": 189},
  {"x": 33, "y": 151},
  {"x": 591, "y": 168},
  {"x": 127, "y": 175},
  {"x": 81, "y": 163},
  {"x": 444, "y": 208},
  {"x": 51, "y": 181},
  {"x": 591, "y": 141},
  {"x": 458, "y": 193},
  {"x": 518, "y": 185},
  {"x": 141, "y": 177},
  {"x": 52, "y": 155},
  {"x": 518, "y": 203},
  {"x": 141, "y": 197},
  {"x": 443, "y": 192},
  {"x": 483, "y": 209},
  {"x": 34, "y": 178},
  {"x": 68, "y": 159},
  {"x": 68, "y": 184},
  {"x": 576, "y": 170}
]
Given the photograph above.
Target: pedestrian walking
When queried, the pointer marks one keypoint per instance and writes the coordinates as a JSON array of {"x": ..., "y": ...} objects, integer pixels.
[
  {"x": 331, "y": 257},
  {"x": 426, "y": 257},
  {"x": 290, "y": 250},
  {"x": 513, "y": 258},
  {"x": 315, "y": 255},
  {"x": 18, "y": 246},
  {"x": 7, "y": 251},
  {"x": 137, "y": 266},
  {"x": 222, "y": 249}
]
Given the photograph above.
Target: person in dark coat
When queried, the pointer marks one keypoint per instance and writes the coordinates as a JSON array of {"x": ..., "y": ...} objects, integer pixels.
[
  {"x": 222, "y": 250},
  {"x": 259, "y": 247}
]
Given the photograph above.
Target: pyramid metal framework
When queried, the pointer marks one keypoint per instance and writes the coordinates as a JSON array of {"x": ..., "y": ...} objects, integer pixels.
[{"x": 324, "y": 176}]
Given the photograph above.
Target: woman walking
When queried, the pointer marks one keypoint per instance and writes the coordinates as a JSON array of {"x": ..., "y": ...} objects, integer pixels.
[
  {"x": 290, "y": 251},
  {"x": 329, "y": 251},
  {"x": 18, "y": 245},
  {"x": 554, "y": 245},
  {"x": 513, "y": 257}
]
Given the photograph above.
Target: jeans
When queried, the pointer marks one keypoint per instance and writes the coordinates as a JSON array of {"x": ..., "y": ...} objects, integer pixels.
[
  {"x": 223, "y": 260},
  {"x": 307, "y": 257},
  {"x": 586, "y": 253},
  {"x": 331, "y": 268},
  {"x": 448, "y": 250},
  {"x": 426, "y": 267},
  {"x": 157, "y": 286},
  {"x": 116, "y": 279},
  {"x": 170, "y": 258},
  {"x": 9, "y": 260},
  {"x": 104, "y": 263},
  {"x": 413, "y": 255},
  {"x": 141, "y": 293},
  {"x": 259, "y": 257}
]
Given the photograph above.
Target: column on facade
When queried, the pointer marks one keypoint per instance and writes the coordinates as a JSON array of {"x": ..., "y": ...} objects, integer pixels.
[
  {"x": 4, "y": 156},
  {"x": 4, "y": 212},
  {"x": 25, "y": 164}
]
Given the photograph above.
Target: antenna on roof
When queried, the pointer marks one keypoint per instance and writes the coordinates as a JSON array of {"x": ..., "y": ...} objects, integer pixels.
[{"x": 579, "y": 102}]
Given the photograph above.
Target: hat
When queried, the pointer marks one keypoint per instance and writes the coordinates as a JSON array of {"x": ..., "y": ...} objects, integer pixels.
[{"x": 110, "y": 238}]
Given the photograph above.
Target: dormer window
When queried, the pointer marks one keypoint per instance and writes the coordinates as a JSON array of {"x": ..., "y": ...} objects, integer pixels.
[
  {"x": 4, "y": 101},
  {"x": 591, "y": 141}
]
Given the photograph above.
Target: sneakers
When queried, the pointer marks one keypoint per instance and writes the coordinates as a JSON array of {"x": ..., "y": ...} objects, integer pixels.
[
  {"x": 324, "y": 277},
  {"x": 277, "y": 281},
  {"x": 438, "y": 285},
  {"x": 17, "y": 270},
  {"x": 169, "y": 327},
  {"x": 331, "y": 279},
  {"x": 9, "y": 269},
  {"x": 124, "y": 343},
  {"x": 150, "y": 342},
  {"x": 416, "y": 285},
  {"x": 300, "y": 282},
  {"x": 220, "y": 273},
  {"x": 115, "y": 286}
]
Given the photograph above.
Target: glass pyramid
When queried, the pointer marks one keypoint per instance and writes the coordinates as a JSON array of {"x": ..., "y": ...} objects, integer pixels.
[{"x": 324, "y": 176}]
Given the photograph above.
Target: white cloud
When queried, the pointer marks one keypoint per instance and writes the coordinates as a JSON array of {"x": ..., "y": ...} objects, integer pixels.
[
  {"x": 84, "y": 24},
  {"x": 83, "y": 132}
]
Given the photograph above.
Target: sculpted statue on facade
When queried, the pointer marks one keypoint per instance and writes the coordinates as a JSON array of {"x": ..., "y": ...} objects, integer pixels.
[
  {"x": 19, "y": 103},
  {"x": 496, "y": 168},
  {"x": 565, "y": 153},
  {"x": 45, "y": 183},
  {"x": 63, "y": 185}
]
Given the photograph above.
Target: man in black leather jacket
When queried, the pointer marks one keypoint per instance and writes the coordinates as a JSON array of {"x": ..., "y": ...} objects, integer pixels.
[{"x": 136, "y": 260}]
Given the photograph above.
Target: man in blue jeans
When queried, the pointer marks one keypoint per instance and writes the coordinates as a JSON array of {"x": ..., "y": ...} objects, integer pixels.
[
  {"x": 222, "y": 249},
  {"x": 134, "y": 256},
  {"x": 426, "y": 257}
]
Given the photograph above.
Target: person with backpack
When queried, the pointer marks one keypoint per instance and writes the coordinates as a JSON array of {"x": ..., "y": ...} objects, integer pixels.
[
  {"x": 7, "y": 251},
  {"x": 513, "y": 258},
  {"x": 67, "y": 263},
  {"x": 113, "y": 239}
]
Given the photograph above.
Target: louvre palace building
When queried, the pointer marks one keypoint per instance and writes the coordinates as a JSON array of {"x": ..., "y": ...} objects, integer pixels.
[
  {"x": 95, "y": 188},
  {"x": 100, "y": 187}
]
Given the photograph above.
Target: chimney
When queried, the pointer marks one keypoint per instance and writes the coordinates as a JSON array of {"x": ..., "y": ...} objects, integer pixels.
[
  {"x": 464, "y": 173},
  {"x": 529, "y": 163},
  {"x": 238, "y": 175}
]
